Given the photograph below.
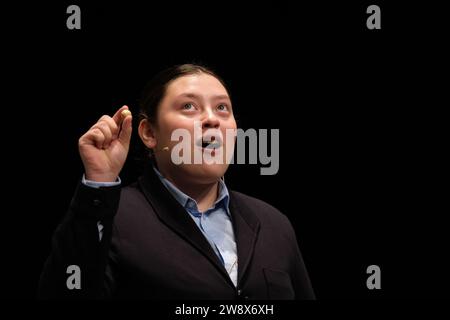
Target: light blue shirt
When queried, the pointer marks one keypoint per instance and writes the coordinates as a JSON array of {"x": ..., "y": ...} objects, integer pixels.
[{"x": 215, "y": 223}]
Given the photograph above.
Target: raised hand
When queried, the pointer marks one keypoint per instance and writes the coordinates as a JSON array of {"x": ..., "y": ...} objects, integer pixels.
[{"x": 104, "y": 147}]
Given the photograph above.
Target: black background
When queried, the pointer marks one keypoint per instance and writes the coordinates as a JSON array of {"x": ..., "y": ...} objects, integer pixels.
[{"x": 360, "y": 114}]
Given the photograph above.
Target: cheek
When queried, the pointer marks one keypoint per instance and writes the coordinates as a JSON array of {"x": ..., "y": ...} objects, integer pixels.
[
  {"x": 169, "y": 126},
  {"x": 229, "y": 125}
]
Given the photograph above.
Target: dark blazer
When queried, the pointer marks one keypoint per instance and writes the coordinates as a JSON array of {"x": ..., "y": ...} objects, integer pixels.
[{"x": 152, "y": 249}]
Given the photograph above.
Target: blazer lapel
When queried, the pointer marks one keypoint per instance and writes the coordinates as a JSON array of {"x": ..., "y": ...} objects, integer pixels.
[
  {"x": 175, "y": 217},
  {"x": 246, "y": 228}
]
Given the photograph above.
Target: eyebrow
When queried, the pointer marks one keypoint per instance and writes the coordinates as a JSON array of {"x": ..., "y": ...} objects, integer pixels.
[{"x": 196, "y": 96}]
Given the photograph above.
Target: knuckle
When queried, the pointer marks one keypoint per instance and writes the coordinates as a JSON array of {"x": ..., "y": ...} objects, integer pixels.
[
  {"x": 106, "y": 128},
  {"x": 108, "y": 123},
  {"x": 111, "y": 123},
  {"x": 95, "y": 130}
]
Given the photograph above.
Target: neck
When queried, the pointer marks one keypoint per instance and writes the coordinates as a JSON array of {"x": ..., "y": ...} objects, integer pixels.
[{"x": 204, "y": 194}]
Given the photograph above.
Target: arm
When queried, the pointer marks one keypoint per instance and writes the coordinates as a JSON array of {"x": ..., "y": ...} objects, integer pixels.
[
  {"x": 299, "y": 274},
  {"x": 76, "y": 242}
]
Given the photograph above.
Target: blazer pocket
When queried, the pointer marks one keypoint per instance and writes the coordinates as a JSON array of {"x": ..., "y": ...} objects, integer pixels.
[{"x": 279, "y": 285}]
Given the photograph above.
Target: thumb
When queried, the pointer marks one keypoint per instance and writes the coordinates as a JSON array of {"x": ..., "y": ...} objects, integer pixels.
[{"x": 125, "y": 133}]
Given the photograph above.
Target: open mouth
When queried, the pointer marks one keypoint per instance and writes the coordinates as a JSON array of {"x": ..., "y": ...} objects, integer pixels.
[{"x": 209, "y": 143}]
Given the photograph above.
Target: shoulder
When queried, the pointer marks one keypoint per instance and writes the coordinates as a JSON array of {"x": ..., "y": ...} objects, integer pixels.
[
  {"x": 252, "y": 201},
  {"x": 274, "y": 224},
  {"x": 133, "y": 201},
  {"x": 263, "y": 210}
]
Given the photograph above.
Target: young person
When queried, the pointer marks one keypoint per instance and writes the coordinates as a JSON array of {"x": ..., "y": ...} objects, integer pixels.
[{"x": 178, "y": 232}]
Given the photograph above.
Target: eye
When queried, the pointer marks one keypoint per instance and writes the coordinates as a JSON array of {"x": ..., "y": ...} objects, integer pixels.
[
  {"x": 188, "y": 106},
  {"x": 222, "y": 107}
]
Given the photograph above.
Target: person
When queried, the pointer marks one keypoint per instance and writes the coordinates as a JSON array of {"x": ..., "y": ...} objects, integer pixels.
[{"x": 177, "y": 232}]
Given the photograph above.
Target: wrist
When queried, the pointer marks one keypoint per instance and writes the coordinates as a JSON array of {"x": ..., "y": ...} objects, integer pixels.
[{"x": 95, "y": 177}]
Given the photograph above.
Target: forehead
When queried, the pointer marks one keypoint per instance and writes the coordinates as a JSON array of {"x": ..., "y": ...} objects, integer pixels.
[{"x": 201, "y": 84}]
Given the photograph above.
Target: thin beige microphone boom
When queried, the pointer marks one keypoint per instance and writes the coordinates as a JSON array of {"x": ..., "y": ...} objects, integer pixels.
[{"x": 162, "y": 149}]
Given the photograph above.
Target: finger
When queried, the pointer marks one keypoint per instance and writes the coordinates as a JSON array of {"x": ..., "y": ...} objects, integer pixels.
[
  {"x": 104, "y": 128},
  {"x": 95, "y": 137},
  {"x": 117, "y": 117},
  {"x": 113, "y": 127},
  {"x": 125, "y": 133}
]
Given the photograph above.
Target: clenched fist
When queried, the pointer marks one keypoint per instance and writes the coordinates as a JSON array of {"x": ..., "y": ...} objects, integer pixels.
[{"x": 104, "y": 147}]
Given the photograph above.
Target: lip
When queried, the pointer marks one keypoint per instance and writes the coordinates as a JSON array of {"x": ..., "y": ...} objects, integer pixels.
[
  {"x": 210, "y": 142},
  {"x": 210, "y": 147}
]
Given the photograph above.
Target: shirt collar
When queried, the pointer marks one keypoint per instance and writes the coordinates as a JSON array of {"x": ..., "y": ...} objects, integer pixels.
[{"x": 189, "y": 203}]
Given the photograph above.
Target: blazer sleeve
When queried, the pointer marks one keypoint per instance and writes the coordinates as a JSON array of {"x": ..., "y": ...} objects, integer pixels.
[
  {"x": 76, "y": 243},
  {"x": 299, "y": 274}
]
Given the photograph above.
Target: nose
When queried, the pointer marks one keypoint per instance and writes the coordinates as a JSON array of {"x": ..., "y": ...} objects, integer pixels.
[{"x": 210, "y": 121}]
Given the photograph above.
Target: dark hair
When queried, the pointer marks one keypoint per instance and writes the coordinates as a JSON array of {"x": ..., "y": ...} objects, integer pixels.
[{"x": 155, "y": 90}]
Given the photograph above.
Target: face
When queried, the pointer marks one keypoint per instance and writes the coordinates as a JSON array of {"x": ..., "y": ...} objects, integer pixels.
[{"x": 201, "y": 100}]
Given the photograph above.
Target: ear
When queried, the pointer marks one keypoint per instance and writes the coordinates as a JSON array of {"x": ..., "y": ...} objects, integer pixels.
[{"x": 147, "y": 133}]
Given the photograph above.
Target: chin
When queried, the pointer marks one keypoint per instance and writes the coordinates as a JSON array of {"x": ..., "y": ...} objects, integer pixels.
[{"x": 206, "y": 173}]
